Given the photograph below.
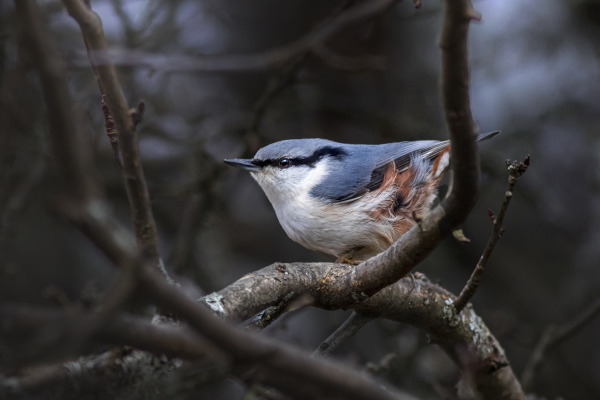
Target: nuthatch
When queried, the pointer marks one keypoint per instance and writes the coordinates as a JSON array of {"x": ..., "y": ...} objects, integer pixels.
[{"x": 349, "y": 200}]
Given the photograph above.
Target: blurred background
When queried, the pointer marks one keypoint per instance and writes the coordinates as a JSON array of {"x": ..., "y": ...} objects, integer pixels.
[{"x": 535, "y": 76}]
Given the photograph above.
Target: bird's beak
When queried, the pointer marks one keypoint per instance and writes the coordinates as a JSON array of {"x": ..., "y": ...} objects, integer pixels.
[{"x": 242, "y": 163}]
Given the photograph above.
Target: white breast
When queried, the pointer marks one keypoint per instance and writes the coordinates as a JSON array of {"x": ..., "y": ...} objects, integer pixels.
[{"x": 331, "y": 228}]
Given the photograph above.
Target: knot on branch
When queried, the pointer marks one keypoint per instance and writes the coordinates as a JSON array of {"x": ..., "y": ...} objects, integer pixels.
[
  {"x": 137, "y": 113},
  {"x": 516, "y": 169}
]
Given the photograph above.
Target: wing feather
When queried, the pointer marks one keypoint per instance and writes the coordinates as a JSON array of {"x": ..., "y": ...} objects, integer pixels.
[{"x": 365, "y": 166}]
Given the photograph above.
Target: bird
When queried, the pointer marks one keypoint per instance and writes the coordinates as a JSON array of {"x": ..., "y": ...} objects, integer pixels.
[{"x": 351, "y": 201}]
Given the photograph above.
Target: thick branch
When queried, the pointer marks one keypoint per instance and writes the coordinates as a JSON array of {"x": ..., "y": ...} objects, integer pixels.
[{"x": 415, "y": 301}]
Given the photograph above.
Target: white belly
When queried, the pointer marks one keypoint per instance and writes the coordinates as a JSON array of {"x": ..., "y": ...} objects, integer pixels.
[{"x": 334, "y": 228}]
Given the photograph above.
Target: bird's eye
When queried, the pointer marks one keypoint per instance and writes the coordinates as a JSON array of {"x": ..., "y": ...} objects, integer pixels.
[{"x": 284, "y": 163}]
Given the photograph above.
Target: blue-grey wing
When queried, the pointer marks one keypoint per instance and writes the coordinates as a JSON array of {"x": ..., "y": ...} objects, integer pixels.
[{"x": 363, "y": 168}]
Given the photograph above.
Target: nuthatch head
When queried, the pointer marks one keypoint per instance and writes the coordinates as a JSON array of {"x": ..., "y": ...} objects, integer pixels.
[{"x": 349, "y": 200}]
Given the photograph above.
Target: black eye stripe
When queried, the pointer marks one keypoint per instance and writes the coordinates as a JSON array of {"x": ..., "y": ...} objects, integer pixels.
[{"x": 310, "y": 161}]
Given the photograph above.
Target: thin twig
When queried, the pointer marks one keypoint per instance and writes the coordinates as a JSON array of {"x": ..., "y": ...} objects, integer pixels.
[
  {"x": 344, "y": 332},
  {"x": 125, "y": 124},
  {"x": 553, "y": 336},
  {"x": 515, "y": 171}
]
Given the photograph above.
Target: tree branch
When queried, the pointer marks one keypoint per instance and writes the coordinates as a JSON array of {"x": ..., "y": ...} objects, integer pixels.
[
  {"x": 125, "y": 125},
  {"x": 515, "y": 171},
  {"x": 415, "y": 301}
]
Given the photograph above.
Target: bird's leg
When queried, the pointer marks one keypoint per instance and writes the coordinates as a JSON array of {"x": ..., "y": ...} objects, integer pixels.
[{"x": 351, "y": 257}]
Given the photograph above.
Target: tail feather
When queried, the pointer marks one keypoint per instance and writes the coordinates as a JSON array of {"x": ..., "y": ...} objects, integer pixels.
[{"x": 488, "y": 135}]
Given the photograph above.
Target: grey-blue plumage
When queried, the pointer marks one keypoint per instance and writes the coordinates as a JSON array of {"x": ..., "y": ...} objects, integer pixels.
[{"x": 349, "y": 200}]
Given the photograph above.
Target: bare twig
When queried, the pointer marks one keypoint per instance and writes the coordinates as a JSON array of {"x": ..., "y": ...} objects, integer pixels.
[
  {"x": 133, "y": 174},
  {"x": 515, "y": 171},
  {"x": 349, "y": 328},
  {"x": 552, "y": 337}
]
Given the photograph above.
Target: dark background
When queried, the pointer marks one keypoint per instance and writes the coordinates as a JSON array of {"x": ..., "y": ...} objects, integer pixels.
[{"x": 535, "y": 76}]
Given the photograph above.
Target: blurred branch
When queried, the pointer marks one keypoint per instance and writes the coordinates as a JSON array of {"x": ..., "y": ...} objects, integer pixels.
[
  {"x": 464, "y": 337},
  {"x": 515, "y": 171},
  {"x": 121, "y": 330},
  {"x": 348, "y": 329},
  {"x": 242, "y": 62},
  {"x": 552, "y": 337},
  {"x": 125, "y": 124},
  {"x": 72, "y": 153}
]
